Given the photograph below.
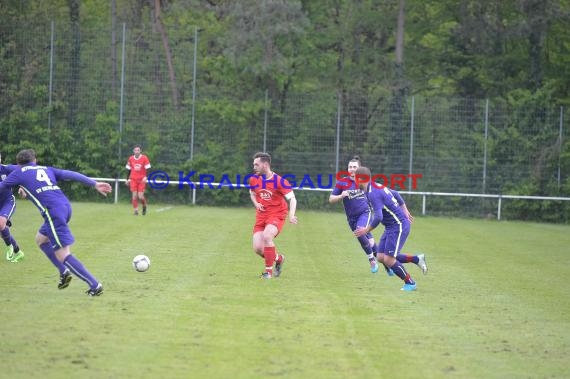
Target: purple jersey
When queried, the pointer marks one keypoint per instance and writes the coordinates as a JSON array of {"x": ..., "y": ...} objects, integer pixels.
[
  {"x": 386, "y": 207},
  {"x": 5, "y": 170},
  {"x": 398, "y": 197},
  {"x": 356, "y": 203},
  {"x": 40, "y": 184}
]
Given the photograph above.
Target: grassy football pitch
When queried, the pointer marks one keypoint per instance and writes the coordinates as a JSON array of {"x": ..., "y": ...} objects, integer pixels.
[{"x": 495, "y": 303}]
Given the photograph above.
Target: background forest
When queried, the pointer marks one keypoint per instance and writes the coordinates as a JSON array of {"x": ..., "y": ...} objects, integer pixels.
[{"x": 473, "y": 94}]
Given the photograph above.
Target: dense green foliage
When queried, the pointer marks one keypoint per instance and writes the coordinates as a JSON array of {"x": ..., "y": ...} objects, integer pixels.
[{"x": 290, "y": 66}]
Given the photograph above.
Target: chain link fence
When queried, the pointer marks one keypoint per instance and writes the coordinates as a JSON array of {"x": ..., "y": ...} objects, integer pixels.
[{"x": 84, "y": 98}]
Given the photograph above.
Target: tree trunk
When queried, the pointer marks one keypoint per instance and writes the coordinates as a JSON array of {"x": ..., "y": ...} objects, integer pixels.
[
  {"x": 400, "y": 34},
  {"x": 535, "y": 55},
  {"x": 398, "y": 97},
  {"x": 114, "y": 48},
  {"x": 167, "y": 52},
  {"x": 75, "y": 64}
]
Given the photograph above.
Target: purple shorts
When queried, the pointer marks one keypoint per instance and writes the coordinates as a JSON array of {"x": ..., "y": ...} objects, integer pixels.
[
  {"x": 55, "y": 226},
  {"x": 393, "y": 239},
  {"x": 8, "y": 206},
  {"x": 361, "y": 221}
]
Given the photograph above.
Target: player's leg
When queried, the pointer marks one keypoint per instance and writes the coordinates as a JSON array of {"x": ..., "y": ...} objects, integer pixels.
[
  {"x": 372, "y": 243},
  {"x": 143, "y": 201},
  {"x": 142, "y": 198},
  {"x": 363, "y": 221},
  {"x": 395, "y": 239},
  {"x": 380, "y": 249},
  {"x": 422, "y": 263},
  {"x": 64, "y": 255},
  {"x": 5, "y": 232},
  {"x": 272, "y": 253},
  {"x": 135, "y": 203},
  {"x": 400, "y": 271},
  {"x": 62, "y": 239},
  {"x": 269, "y": 252},
  {"x": 258, "y": 228},
  {"x": 258, "y": 243},
  {"x": 134, "y": 197},
  {"x": 368, "y": 250},
  {"x": 279, "y": 261},
  {"x": 419, "y": 260},
  {"x": 407, "y": 258},
  {"x": 372, "y": 259},
  {"x": 44, "y": 244},
  {"x": 7, "y": 208}
]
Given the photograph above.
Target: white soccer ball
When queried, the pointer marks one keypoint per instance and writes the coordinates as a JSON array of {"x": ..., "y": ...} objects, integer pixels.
[{"x": 141, "y": 263}]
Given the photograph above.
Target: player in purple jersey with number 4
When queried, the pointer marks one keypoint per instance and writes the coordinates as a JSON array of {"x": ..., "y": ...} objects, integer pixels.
[
  {"x": 7, "y": 208},
  {"x": 387, "y": 211},
  {"x": 54, "y": 237}
]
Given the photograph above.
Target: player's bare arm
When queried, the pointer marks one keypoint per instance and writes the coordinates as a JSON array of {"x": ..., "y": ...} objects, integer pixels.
[
  {"x": 408, "y": 214},
  {"x": 290, "y": 197},
  {"x": 336, "y": 198},
  {"x": 257, "y": 205}
]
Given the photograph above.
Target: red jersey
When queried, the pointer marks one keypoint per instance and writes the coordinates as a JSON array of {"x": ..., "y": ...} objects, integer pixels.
[
  {"x": 271, "y": 193},
  {"x": 138, "y": 166}
]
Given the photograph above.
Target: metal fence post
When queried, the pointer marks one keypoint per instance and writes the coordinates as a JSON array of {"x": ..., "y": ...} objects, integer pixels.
[
  {"x": 121, "y": 107},
  {"x": 51, "y": 48},
  {"x": 265, "y": 121},
  {"x": 499, "y": 208},
  {"x": 411, "y": 140},
  {"x": 193, "y": 94},
  {"x": 338, "y": 109},
  {"x": 560, "y": 142},
  {"x": 117, "y": 185},
  {"x": 485, "y": 146}
]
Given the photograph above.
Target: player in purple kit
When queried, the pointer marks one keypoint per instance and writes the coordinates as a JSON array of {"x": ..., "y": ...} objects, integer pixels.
[
  {"x": 388, "y": 212},
  {"x": 420, "y": 259},
  {"x": 359, "y": 214},
  {"x": 54, "y": 237},
  {"x": 7, "y": 208},
  {"x": 357, "y": 209}
]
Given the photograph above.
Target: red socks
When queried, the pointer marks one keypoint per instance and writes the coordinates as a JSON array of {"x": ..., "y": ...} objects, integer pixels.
[{"x": 269, "y": 255}]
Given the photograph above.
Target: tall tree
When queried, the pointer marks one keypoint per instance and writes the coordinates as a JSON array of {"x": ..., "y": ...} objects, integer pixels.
[
  {"x": 114, "y": 47},
  {"x": 167, "y": 52},
  {"x": 398, "y": 94},
  {"x": 263, "y": 42},
  {"x": 75, "y": 64},
  {"x": 354, "y": 45}
]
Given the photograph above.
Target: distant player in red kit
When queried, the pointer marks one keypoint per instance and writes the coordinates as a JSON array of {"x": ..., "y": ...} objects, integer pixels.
[
  {"x": 269, "y": 194},
  {"x": 136, "y": 179}
]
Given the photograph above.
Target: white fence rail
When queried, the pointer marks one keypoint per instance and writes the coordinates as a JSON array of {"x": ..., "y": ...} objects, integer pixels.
[{"x": 424, "y": 195}]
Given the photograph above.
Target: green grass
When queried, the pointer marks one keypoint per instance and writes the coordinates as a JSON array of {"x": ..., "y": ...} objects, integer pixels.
[{"x": 495, "y": 303}]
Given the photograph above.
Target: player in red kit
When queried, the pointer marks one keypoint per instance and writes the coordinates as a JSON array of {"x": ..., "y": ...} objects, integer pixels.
[
  {"x": 137, "y": 165},
  {"x": 269, "y": 194}
]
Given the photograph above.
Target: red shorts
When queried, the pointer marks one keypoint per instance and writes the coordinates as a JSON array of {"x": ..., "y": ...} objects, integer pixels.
[
  {"x": 137, "y": 185},
  {"x": 262, "y": 220}
]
